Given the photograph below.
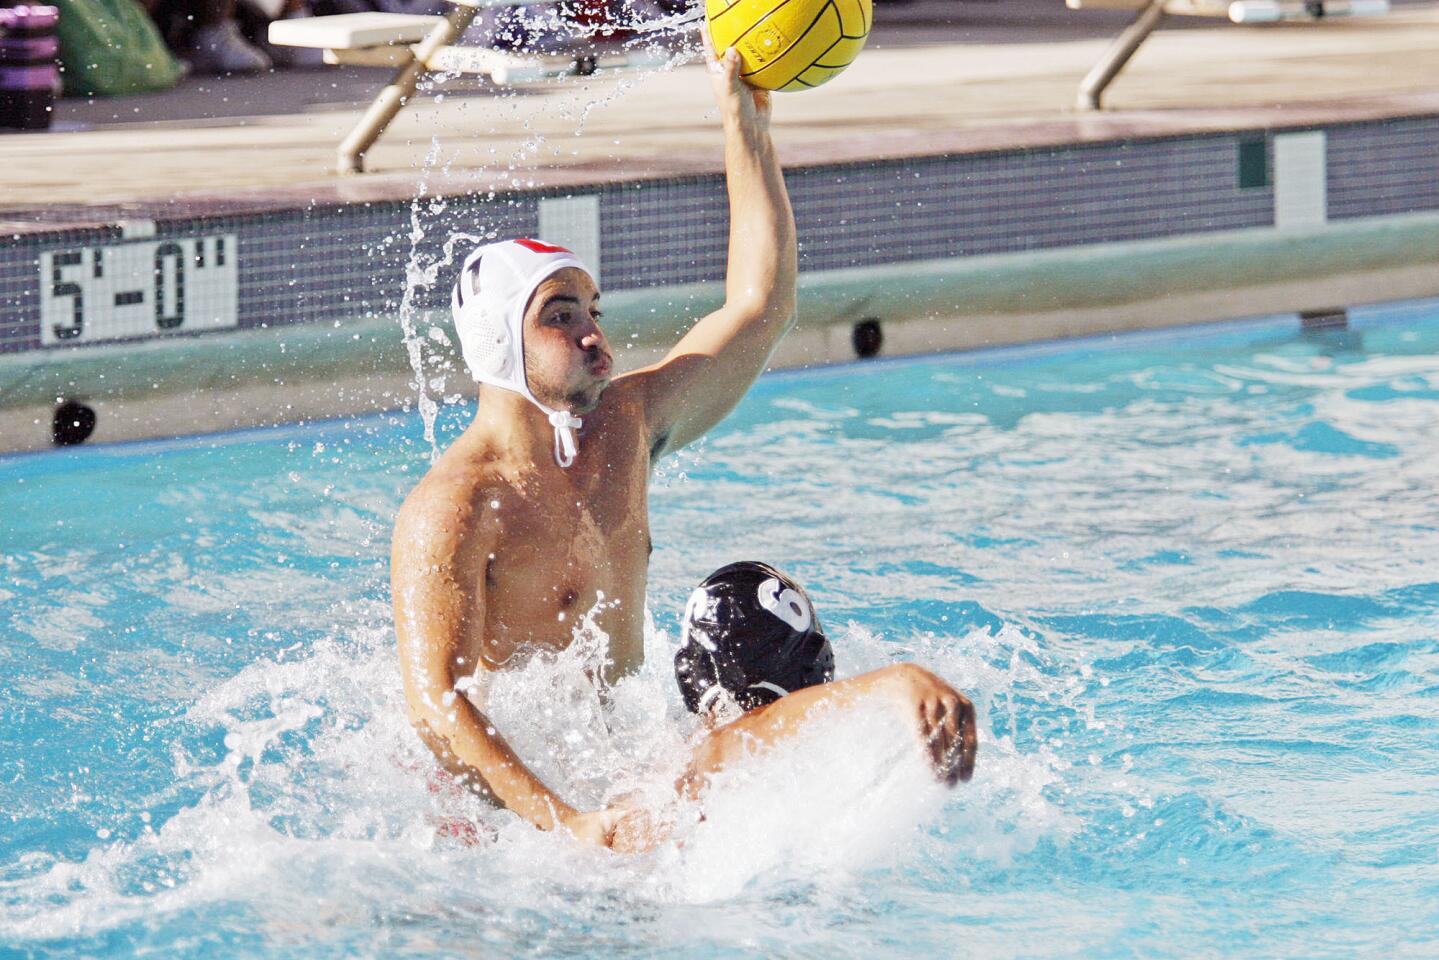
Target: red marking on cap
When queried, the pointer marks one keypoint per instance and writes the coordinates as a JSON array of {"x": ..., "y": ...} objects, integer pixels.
[{"x": 538, "y": 247}]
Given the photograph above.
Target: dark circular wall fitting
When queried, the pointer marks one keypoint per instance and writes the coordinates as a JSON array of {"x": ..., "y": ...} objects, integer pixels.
[
  {"x": 73, "y": 423},
  {"x": 867, "y": 337}
]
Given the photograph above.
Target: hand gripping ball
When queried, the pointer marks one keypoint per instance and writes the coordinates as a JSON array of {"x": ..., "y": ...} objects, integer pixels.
[{"x": 790, "y": 44}]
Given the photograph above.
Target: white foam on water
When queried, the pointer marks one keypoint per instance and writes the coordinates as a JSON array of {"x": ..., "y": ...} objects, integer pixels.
[{"x": 321, "y": 810}]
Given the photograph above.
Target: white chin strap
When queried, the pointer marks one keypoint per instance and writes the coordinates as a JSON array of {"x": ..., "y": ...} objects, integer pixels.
[{"x": 565, "y": 424}]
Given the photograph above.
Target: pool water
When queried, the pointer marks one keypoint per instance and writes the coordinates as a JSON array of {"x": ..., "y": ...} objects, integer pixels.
[{"x": 1188, "y": 580}]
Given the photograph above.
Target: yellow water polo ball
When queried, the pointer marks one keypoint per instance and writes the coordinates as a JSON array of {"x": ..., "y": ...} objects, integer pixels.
[{"x": 790, "y": 44}]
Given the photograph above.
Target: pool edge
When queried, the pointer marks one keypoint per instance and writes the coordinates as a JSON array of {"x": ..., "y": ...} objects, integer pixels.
[{"x": 301, "y": 373}]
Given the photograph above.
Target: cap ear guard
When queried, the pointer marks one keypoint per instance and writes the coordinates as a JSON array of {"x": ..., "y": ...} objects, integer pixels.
[
  {"x": 698, "y": 678},
  {"x": 489, "y": 348},
  {"x": 707, "y": 674}
]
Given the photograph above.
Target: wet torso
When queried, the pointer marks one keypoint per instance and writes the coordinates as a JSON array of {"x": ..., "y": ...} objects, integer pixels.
[{"x": 572, "y": 545}]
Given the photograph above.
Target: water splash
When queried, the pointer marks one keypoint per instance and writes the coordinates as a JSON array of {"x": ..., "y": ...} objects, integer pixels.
[
  {"x": 430, "y": 351},
  {"x": 301, "y": 771}
]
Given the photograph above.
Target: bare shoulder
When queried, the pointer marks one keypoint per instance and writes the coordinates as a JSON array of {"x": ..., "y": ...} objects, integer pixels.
[
  {"x": 701, "y": 380},
  {"x": 638, "y": 386},
  {"x": 637, "y": 396},
  {"x": 448, "y": 514},
  {"x": 622, "y": 422},
  {"x": 627, "y": 394}
]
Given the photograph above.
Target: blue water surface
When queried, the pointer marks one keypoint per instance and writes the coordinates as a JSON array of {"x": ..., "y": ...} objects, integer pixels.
[{"x": 1188, "y": 578}]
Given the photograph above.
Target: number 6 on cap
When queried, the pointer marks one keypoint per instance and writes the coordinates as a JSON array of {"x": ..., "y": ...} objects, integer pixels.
[{"x": 786, "y": 604}]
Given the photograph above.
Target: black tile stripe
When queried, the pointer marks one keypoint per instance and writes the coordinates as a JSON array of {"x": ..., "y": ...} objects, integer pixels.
[{"x": 1386, "y": 169}]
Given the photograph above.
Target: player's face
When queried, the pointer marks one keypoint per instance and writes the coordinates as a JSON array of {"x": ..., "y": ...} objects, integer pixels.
[{"x": 567, "y": 359}]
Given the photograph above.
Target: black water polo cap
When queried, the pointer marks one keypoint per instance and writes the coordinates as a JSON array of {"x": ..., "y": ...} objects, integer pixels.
[{"x": 752, "y": 631}]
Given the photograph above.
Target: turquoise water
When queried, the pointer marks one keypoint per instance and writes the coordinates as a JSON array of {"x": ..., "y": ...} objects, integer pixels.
[{"x": 1189, "y": 581}]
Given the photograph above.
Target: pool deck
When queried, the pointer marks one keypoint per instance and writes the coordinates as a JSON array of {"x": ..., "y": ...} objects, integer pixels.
[{"x": 901, "y": 98}]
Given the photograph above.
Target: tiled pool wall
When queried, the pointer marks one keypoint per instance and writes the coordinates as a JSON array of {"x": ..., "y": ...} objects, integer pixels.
[{"x": 326, "y": 263}]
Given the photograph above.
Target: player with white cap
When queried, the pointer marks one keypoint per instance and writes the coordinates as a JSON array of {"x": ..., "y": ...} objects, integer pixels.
[
  {"x": 537, "y": 515},
  {"x": 489, "y": 301}
]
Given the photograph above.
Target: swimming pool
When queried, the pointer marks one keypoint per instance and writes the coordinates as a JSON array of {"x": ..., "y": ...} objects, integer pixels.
[{"x": 1188, "y": 580}]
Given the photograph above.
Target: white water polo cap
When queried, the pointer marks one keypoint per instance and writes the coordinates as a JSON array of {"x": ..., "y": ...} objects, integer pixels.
[{"x": 489, "y": 300}]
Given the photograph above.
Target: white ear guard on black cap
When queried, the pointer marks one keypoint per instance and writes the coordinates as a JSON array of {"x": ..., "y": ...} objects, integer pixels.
[{"x": 488, "y": 302}]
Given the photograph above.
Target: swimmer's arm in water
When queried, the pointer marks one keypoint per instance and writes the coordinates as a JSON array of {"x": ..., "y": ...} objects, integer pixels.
[
  {"x": 437, "y": 574},
  {"x": 944, "y": 722},
  {"x": 943, "y": 718},
  {"x": 712, "y": 366}
]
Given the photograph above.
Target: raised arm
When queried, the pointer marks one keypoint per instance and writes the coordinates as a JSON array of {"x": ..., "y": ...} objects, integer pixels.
[
  {"x": 712, "y": 366},
  {"x": 437, "y": 574}
]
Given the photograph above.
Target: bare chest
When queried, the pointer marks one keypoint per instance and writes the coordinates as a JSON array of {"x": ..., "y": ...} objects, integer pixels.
[{"x": 569, "y": 555}]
